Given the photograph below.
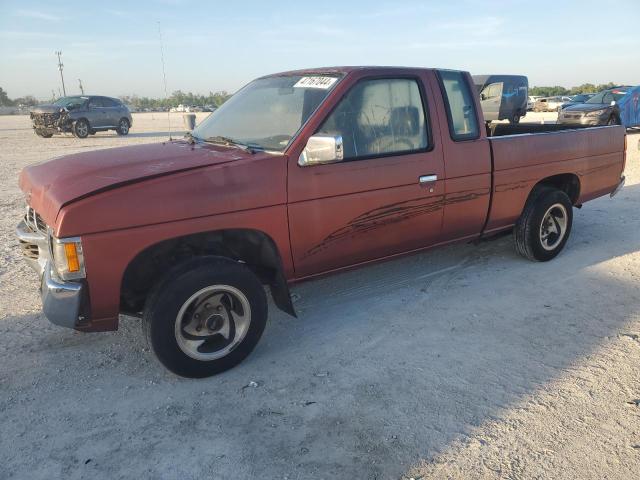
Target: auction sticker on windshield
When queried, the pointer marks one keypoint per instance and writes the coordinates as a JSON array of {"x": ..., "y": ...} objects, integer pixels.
[{"x": 323, "y": 83}]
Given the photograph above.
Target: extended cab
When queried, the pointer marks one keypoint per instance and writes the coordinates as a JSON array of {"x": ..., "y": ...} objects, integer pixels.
[{"x": 299, "y": 174}]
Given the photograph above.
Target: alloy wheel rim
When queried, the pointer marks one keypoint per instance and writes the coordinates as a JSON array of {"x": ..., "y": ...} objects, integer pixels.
[
  {"x": 124, "y": 127},
  {"x": 212, "y": 322},
  {"x": 553, "y": 227},
  {"x": 82, "y": 129}
]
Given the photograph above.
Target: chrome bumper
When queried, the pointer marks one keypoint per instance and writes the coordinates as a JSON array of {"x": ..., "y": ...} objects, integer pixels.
[{"x": 61, "y": 301}]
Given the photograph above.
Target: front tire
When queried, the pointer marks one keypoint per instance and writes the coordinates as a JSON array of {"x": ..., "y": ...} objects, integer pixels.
[
  {"x": 123, "y": 127},
  {"x": 545, "y": 224},
  {"x": 81, "y": 128},
  {"x": 43, "y": 134},
  {"x": 205, "y": 316},
  {"x": 613, "y": 120}
]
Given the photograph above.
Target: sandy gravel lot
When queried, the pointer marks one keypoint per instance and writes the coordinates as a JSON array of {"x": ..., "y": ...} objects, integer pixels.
[{"x": 466, "y": 362}]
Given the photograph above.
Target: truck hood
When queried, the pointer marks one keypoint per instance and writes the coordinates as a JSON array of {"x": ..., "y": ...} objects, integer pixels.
[{"x": 53, "y": 184}]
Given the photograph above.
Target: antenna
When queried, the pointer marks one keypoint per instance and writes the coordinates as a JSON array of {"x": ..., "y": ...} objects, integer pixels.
[
  {"x": 60, "y": 65},
  {"x": 81, "y": 89},
  {"x": 164, "y": 77}
]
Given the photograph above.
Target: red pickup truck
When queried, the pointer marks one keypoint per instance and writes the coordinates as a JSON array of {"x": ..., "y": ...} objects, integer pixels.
[{"x": 299, "y": 174}]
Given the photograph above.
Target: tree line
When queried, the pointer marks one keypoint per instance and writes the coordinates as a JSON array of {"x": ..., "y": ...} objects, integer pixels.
[
  {"x": 177, "y": 98},
  {"x": 558, "y": 90},
  {"x": 218, "y": 98}
]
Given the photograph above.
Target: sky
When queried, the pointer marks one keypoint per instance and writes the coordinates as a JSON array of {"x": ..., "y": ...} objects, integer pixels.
[{"x": 114, "y": 46}]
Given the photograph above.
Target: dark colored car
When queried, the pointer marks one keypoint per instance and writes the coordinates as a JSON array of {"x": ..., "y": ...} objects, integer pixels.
[
  {"x": 502, "y": 96},
  {"x": 81, "y": 115},
  {"x": 601, "y": 109}
]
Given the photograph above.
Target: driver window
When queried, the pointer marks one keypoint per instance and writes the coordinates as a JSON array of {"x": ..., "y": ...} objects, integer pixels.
[{"x": 379, "y": 117}]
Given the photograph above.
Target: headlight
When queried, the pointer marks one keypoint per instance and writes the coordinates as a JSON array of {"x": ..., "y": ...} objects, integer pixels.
[
  {"x": 595, "y": 113},
  {"x": 68, "y": 259}
]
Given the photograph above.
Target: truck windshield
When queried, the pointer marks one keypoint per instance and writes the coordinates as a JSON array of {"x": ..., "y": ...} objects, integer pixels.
[{"x": 268, "y": 112}]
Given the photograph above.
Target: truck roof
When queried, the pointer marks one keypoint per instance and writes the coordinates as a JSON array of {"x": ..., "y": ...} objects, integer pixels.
[{"x": 345, "y": 70}]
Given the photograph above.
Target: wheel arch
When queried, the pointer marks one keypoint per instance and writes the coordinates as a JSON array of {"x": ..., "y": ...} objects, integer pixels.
[
  {"x": 569, "y": 183},
  {"x": 254, "y": 248}
]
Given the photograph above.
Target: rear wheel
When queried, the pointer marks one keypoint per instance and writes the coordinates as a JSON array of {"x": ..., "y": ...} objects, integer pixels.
[
  {"x": 205, "y": 316},
  {"x": 81, "y": 128},
  {"x": 545, "y": 224},
  {"x": 123, "y": 127}
]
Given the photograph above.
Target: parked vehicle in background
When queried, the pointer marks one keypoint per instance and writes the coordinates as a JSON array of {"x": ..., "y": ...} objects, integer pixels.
[
  {"x": 550, "y": 104},
  {"x": 81, "y": 115},
  {"x": 299, "y": 174},
  {"x": 502, "y": 97},
  {"x": 604, "y": 108},
  {"x": 577, "y": 99},
  {"x": 532, "y": 101}
]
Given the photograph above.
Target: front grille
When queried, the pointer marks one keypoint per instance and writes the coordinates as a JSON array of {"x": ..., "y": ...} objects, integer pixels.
[
  {"x": 29, "y": 250},
  {"x": 35, "y": 221},
  {"x": 45, "y": 119}
]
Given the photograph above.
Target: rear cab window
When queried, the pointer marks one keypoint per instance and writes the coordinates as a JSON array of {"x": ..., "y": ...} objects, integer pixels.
[
  {"x": 380, "y": 117},
  {"x": 459, "y": 104}
]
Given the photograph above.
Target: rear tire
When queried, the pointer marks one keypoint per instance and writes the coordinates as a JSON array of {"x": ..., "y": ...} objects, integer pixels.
[
  {"x": 205, "y": 316},
  {"x": 545, "y": 224},
  {"x": 81, "y": 128}
]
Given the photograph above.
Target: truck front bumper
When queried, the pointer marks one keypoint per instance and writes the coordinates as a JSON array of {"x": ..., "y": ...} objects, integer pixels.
[{"x": 62, "y": 301}]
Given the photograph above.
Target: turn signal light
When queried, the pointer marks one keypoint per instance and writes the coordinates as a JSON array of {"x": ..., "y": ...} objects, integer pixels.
[{"x": 73, "y": 264}]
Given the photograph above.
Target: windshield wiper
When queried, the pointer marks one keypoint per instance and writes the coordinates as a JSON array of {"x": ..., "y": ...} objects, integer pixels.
[{"x": 229, "y": 142}]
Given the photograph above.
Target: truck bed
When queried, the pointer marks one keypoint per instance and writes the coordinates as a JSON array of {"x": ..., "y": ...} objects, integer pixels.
[
  {"x": 502, "y": 129},
  {"x": 591, "y": 157}
]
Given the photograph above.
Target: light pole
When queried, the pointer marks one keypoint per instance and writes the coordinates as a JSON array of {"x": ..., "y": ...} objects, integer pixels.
[{"x": 60, "y": 65}]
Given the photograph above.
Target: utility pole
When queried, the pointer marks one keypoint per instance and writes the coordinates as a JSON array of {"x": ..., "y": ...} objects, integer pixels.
[
  {"x": 81, "y": 89},
  {"x": 53, "y": 94},
  {"x": 60, "y": 65}
]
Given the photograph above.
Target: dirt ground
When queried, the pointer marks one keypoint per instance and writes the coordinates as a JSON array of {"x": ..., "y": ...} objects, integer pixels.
[{"x": 464, "y": 362}]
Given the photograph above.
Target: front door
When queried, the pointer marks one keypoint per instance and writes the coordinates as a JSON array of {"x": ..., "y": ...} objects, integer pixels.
[
  {"x": 97, "y": 113},
  {"x": 385, "y": 197}
]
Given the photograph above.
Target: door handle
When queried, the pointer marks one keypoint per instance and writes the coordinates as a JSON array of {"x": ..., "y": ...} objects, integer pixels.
[{"x": 427, "y": 179}]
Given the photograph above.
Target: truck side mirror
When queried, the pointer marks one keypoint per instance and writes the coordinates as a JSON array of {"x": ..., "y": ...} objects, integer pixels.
[{"x": 322, "y": 149}]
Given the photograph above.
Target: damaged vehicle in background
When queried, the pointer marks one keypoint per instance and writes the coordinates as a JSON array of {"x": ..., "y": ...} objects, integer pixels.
[
  {"x": 616, "y": 106},
  {"x": 82, "y": 116}
]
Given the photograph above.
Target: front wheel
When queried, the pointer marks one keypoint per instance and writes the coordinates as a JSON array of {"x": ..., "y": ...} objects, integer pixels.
[
  {"x": 81, "y": 128},
  {"x": 205, "y": 316},
  {"x": 545, "y": 224},
  {"x": 613, "y": 120},
  {"x": 123, "y": 127}
]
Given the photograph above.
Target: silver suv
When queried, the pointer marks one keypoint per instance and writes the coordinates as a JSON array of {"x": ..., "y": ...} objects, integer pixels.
[{"x": 81, "y": 115}]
